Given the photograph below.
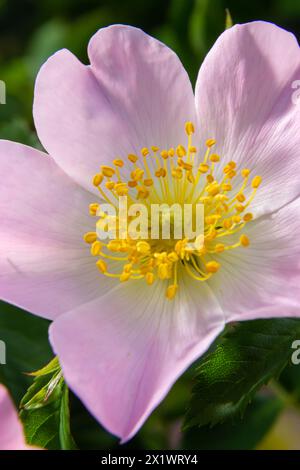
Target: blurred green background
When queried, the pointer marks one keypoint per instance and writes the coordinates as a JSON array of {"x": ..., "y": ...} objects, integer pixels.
[{"x": 30, "y": 31}]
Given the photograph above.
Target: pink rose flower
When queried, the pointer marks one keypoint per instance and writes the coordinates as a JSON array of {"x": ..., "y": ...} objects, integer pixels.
[
  {"x": 129, "y": 123},
  {"x": 11, "y": 431}
]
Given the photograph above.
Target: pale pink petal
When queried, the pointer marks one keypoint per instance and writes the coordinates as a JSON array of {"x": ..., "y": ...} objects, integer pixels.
[
  {"x": 262, "y": 280},
  {"x": 45, "y": 267},
  {"x": 11, "y": 431},
  {"x": 244, "y": 100},
  {"x": 121, "y": 354},
  {"x": 136, "y": 93}
]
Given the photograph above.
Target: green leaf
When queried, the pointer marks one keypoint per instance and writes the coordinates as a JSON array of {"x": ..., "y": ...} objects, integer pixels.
[
  {"x": 228, "y": 20},
  {"x": 245, "y": 359},
  {"x": 206, "y": 24},
  {"x": 242, "y": 434},
  {"x": 66, "y": 439},
  {"x": 45, "y": 410}
]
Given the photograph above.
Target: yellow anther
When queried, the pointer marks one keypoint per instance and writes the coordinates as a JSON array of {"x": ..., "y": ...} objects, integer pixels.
[
  {"x": 121, "y": 189},
  {"x": 210, "y": 143},
  {"x": 212, "y": 219},
  {"x": 214, "y": 158},
  {"x": 209, "y": 179},
  {"x": 173, "y": 257},
  {"x": 160, "y": 172},
  {"x": 143, "y": 247},
  {"x": 137, "y": 174},
  {"x": 148, "y": 182},
  {"x": 203, "y": 168},
  {"x": 96, "y": 248},
  {"x": 114, "y": 245},
  {"x": 184, "y": 165},
  {"x": 118, "y": 162},
  {"x": 256, "y": 182},
  {"x": 154, "y": 149},
  {"x": 132, "y": 158},
  {"x": 90, "y": 237},
  {"x": 221, "y": 197},
  {"x": 231, "y": 174},
  {"x": 107, "y": 171},
  {"x": 145, "y": 151},
  {"x": 239, "y": 207},
  {"x": 236, "y": 219},
  {"x": 247, "y": 217},
  {"x": 219, "y": 248},
  {"x": 102, "y": 266},
  {"x": 226, "y": 187},
  {"x": 213, "y": 189},
  {"x": 98, "y": 178},
  {"x": 240, "y": 197},
  {"x": 110, "y": 185},
  {"x": 244, "y": 240},
  {"x": 171, "y": 152},
  {"x": 132, "y": 184},
  {"x": 143, "y": 193},
  {"x": 162, "y": 271},
  {"x": 177, "y": 173},
  {"x": 212, "y": 266},
  {"x": 192, "y": 149},
  {"x": 149, "y": 278},
  {"x": 232, "y": 165},
  {"x": 245, "y": 172},
  {"x": 125, "y": 276},
  {"x": 211, "y": 235},
  {"x": 127, "y": 268},
  {"x": 180, "y": 151},
  {"x": 93, "y": 208},
  {"x": 171, "y": 291},
  {"x": 227, "y": 223},
  {"x": 189, "y": 128},
  {"x": 164, "y": 154}
]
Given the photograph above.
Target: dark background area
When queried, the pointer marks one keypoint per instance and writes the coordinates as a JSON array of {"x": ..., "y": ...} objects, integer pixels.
[{"x": 31, "y": 30}]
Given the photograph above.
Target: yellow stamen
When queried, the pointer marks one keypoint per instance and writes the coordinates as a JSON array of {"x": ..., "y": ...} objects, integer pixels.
[
  {"x": 244, "y": 240},
  {"x": 256, "y": 182},
  {"x": 212, "y": 266},
  {"x": 90, "y": 237},
  {"x": 172, "y": 176},
  {"x": 189, "y": 128}
]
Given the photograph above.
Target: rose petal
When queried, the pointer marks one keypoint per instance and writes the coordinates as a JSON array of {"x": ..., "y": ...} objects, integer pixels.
[
  {"x": 11, "y": 431},
  {"x": 45, "y": 266},
  {"x": 136, "y": 93},
  {"x": 244, "y": 100},
  {"x": 263, "y": 279},
  {"x": 121, "y": 354}
]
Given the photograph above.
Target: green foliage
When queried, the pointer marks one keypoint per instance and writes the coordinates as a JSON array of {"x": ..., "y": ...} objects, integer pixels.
[
  {"x": 241, "y": 434},
  {"x": 228, "y": 20},
  {"x": 245, "y": 359},
  {"x": 45, "y": 410}
]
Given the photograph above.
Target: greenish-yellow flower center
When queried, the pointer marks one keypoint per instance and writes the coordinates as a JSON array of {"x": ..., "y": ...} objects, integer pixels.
[{"x": 173, "y": 175}]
